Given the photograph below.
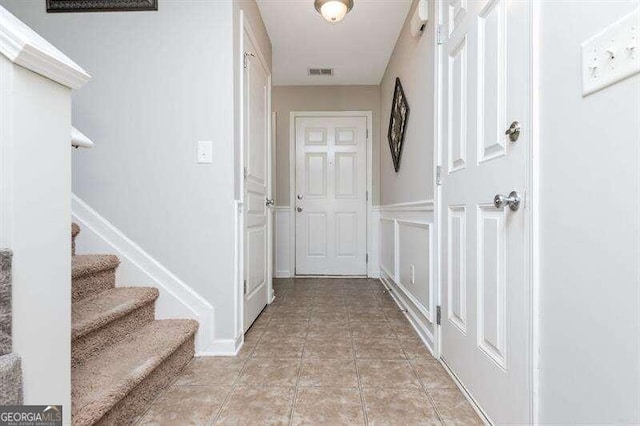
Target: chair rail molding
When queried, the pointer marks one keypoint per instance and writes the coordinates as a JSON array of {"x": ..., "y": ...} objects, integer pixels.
[
  {"x": 24, "y": 47},
  {"x": 137, "y": 267}
]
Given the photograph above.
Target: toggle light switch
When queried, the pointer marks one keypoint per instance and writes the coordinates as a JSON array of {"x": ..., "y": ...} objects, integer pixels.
[{"x": 611, "y": 55}]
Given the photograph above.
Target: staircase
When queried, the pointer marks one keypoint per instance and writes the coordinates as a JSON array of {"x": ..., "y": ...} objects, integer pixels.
[{"x": 121, "y": 356}]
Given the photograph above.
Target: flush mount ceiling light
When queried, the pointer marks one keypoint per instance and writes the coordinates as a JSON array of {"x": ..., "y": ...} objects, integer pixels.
[{"x": 333, "y": 10}]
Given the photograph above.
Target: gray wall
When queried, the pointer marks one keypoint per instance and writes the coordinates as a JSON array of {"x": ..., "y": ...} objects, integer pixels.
[
  {"x": 161, "y": 82},
  {"x": 589, "y": 227},
  {"x": 413, "y": 61},
  {"x": 320, "y": 98}
]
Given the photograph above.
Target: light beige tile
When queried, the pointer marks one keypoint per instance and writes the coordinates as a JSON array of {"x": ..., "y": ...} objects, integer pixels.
[
  {"x": 211, "y": 371},
  {"x": 279, "y": 348},
  {"x": 170, "y": 409},
  {"x": 399, "y": 407},
  {"x": 257, "y": 406},
  {"x": 376, "y": 373},
  {"x": 328, "y": 406},
  {"x": 432, "y": 375},
  {"x": 321, "y": 330},
  {"x": 415, "y": 348},
  {"x": 328, "y": 348},
  {"x": 328, "y": 372},
  {"x": 453, "y": 408},
  {"x": 270, "y": 372},
  {"x": 366, "y": 330},
  {"x": 377, "y": 348}
]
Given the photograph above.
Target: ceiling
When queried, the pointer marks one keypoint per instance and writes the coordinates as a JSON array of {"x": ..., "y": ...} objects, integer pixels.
[{"x": 358, "y": 48}]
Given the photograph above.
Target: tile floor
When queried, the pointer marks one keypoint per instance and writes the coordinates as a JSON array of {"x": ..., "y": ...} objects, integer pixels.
[{"x": 326, "y": 352}]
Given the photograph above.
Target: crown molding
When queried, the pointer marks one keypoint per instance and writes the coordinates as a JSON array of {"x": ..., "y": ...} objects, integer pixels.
[{"x": 24, "y": 47}]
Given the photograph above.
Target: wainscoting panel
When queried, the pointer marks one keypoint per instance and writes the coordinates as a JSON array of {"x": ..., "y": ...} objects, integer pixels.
[
  {"x": 283, "y": 256},
  {"x": 408, "y": 263}
]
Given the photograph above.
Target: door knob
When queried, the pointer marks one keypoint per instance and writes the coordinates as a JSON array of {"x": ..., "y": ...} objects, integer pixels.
[
  {"x": 513, "y": 201},
  {"x": 299, "y": 209},
  {"x": 270, "y": 202},
  {"x": 513, "y": 131},
  {"x": 300, "y": 197}
]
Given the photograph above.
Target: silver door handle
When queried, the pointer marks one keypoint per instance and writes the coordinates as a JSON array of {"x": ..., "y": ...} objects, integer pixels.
[
  {"x": 513, "y": 201},
  {"x": 299, "y": 209},
  {"x": 513, "y": 131},
  {"x": 270, "y": 202}
]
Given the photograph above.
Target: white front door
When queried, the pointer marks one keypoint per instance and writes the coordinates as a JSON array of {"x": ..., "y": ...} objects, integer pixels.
[
  {"x": 486, "y": 306},
  {"x": 256, "y": 184},
  {"x": 331, "y": 198}
]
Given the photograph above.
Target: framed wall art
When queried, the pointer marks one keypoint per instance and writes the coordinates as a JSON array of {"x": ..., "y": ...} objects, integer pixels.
[{"x": 398, "y": 124}]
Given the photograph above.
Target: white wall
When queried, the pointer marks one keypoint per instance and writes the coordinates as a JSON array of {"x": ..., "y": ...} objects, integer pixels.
[
  {"x": 161, "y": 81},
  {"x": 35, "y": 165},
  {"x": 589, "y": 227},
  {"x": 413, "y": 62}
]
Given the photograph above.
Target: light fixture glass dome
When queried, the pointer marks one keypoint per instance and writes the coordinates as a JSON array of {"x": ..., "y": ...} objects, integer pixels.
[{"x": 333, "y": 10}]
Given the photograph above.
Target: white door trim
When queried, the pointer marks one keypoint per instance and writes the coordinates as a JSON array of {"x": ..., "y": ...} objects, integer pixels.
[
  {"x": 532, "y": 206},
  {"x": 245, "y": 27},
  {"x": 292, "y": 178}
]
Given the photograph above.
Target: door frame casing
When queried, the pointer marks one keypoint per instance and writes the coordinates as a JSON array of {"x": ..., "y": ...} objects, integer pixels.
[
  {"x": 245, "y": 27},
  {"x": 293, "y": 115},
  {"x": 531, "y": 210}
]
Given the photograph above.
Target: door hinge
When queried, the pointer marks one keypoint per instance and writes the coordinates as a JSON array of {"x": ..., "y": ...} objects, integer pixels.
[
  {"x": 245, "y": 59},
  {"x": 245, "y": 287},
  {"x": 440, "y": 34},
  {"x": 438, "y": 315},
  {"x": 367, "y": 134},
  {"x": 245, "y": 173},
  {"x": 367, "y": 195},
  {"x": 439, "y": 175},
  {"x": 366, "y": 257}
]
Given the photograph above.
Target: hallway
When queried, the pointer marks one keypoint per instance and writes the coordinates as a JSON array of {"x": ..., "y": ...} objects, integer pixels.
[{"x": 327, "y": 351}]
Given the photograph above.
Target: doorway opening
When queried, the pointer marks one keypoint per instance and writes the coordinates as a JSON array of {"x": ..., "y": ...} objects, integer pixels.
[{"x": 331, "y": 188}]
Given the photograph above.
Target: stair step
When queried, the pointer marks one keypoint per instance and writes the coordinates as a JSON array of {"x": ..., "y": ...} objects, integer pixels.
[
  {"x": 116, "y": 385},
  {"x": 75, "y": 230},
  {"x": 93, "y": 273},
  {"x": 103, "y": 319}
]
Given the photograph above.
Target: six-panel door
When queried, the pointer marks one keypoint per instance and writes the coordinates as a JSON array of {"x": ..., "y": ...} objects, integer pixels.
[{"x": 331, "y": 223}]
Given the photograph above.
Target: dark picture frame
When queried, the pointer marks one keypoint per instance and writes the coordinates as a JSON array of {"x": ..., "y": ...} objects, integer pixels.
[
  {"x": 398, "y": 124},
  {"x": 62, "y": 6}
]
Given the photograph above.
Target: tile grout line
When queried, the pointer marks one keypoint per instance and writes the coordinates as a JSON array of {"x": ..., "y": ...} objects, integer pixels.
[
  {"x": 355, "y": 362},
  {"x": 304, "y": 346},
  {"x": 216, "y": 417}
]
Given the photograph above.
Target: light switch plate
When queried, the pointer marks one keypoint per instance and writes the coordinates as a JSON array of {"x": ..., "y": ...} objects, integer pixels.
[
  {"x": 611, "y": 55},
  {"x": 205, "y": 152}
]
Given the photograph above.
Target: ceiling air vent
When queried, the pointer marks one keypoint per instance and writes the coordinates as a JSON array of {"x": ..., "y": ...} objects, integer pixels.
[{"x": 327, "y": 72}]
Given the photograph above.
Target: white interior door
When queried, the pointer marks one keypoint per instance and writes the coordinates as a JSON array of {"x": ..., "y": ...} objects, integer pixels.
[
  {"x": 486, "y": 329},
  {"x": 256, "y": 183},
  {"x": 331, "y": 203}
]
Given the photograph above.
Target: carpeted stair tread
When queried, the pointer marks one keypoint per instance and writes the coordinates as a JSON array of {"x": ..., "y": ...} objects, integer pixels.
[
  {"x": 87, "y": 264},
  {"x": 75, "y": 230},
  {"x": 112, "y": 374},
  {"x": 96, "y": 311}
]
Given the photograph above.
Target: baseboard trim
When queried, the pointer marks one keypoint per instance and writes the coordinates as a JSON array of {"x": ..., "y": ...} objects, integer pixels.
[
  {"x": 223, "y": 347},
  {"x": 474, "y": 404},
  {"x": 283, "y": 274},
  {"x": 139, "y": 268},
  {"x": 425, "y": 335}
]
